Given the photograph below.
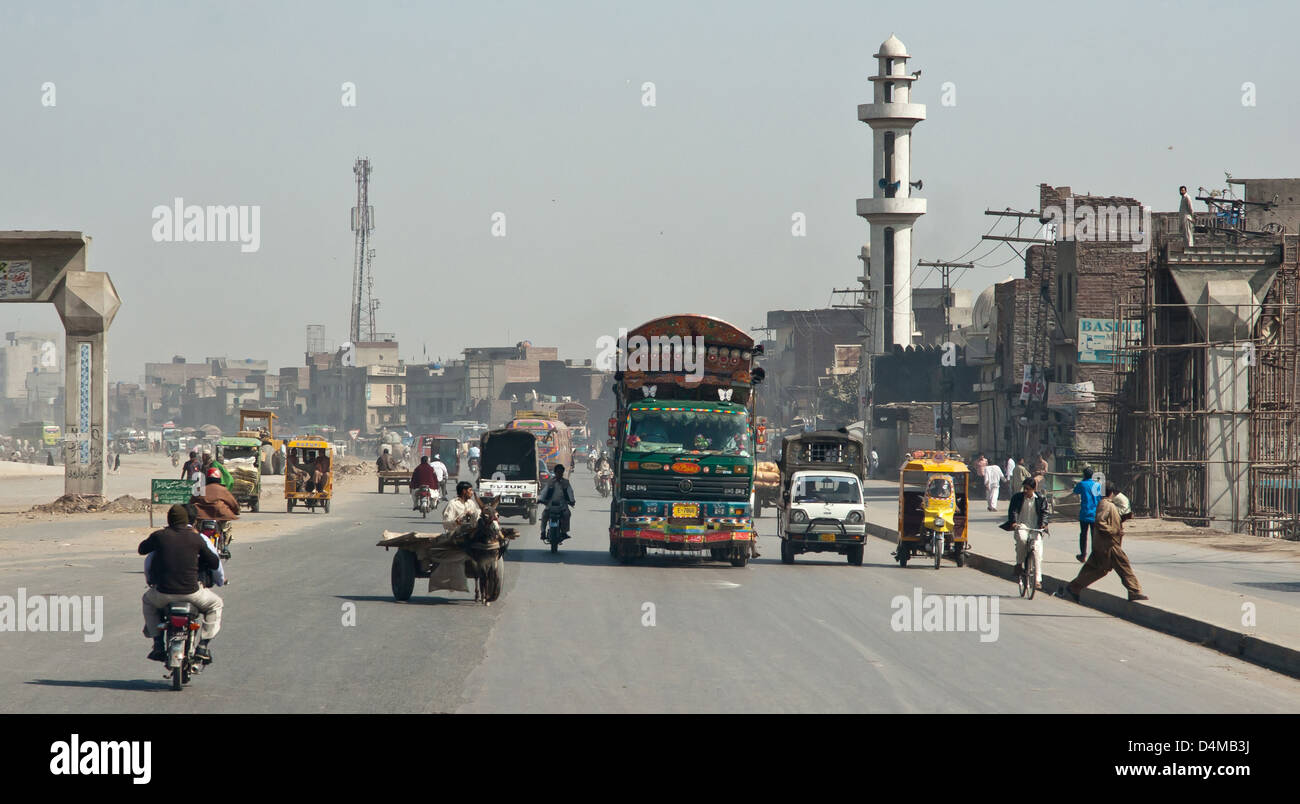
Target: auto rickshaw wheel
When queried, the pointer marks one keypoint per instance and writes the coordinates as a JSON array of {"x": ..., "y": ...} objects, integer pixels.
[
  {"x": 787, "y": 552},
  {"x": 904, "y": 553},
  {"x": 403, "y": 575},
  {"x": 959, "y": 555},
  {"x": 855, "y": 554},
  {"x": 326, "y": 504},
  {"x": 938, "y": 552}
]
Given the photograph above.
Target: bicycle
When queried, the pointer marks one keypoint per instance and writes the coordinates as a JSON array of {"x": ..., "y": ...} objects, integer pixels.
[{"x": 1026, "y": 575}]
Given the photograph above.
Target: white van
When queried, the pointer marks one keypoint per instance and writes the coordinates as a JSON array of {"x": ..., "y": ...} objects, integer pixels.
[{"x": 822, "y": 511}]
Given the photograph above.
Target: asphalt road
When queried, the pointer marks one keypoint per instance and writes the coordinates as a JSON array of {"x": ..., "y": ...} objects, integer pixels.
[{"x": 577, "y": 632}]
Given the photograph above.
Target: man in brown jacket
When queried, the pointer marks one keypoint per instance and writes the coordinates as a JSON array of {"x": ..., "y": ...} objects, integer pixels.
[{"x": 1107, "y": 552}]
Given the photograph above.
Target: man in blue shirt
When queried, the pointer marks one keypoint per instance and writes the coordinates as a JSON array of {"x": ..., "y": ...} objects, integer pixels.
[{"x": 1089, "y": 492}]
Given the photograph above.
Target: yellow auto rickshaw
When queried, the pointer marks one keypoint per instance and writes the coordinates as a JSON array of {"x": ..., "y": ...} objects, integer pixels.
[
  {"x": 933, "y": 490},
  {"x": 308, "y": 473}
]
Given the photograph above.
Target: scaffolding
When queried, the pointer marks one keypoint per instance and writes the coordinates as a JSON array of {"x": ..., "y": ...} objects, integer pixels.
[{"x": 1204, "y": 425}]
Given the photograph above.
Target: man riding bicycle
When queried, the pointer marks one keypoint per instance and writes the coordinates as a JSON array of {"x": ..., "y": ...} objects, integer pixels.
[{"x": 1028, "y": 511}]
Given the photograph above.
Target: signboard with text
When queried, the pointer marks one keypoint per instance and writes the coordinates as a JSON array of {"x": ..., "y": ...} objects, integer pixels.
[{"x": 1099, "y": 338}]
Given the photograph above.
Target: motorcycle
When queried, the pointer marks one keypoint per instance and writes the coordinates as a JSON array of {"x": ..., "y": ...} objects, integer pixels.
[
  {"x": 218, "y": 533},
  {"x": 426, "y": 499},
  {"x": 604, "y": 482},
  {"x": 181, "y": 642},
  {"x": 591, "y": 463},
  {"x": 552, "y": 534},
  {"x": 175, "y": 460}
]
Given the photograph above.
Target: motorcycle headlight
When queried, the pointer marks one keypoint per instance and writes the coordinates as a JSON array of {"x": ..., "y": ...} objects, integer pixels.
[
  {"x": 798, "y": 516},
  {"x": 854, "y": 518}
]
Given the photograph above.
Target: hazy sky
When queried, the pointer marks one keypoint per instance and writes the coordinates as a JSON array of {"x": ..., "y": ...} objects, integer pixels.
[{"x": 615, "y": 212}]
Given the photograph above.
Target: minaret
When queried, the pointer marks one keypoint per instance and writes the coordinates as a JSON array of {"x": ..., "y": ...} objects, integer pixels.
[{"x": 892, "y": 209}]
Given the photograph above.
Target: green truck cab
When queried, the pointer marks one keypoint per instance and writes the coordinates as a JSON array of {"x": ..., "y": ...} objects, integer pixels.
[{"x": 684, "y": 440}]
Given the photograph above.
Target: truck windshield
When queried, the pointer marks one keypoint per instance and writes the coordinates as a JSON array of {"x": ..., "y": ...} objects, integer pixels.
[
  {"x": 712, "y": 432},
  {"x": 826, "y": 489}
]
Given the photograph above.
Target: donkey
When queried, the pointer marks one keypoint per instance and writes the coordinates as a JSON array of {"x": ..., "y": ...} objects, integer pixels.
[{"x": 485, "y": 548}]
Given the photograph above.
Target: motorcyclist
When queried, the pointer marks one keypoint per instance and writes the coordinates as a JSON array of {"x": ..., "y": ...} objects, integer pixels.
[
  {"x": 216, "y": 502},
  {"x": 179, "y": 553},
  {"x": 424, "y": 475},
  {"x": 441, "y": 469},
  {"x": 558, "y": 497},
  {"x": 474, "y": 456}
]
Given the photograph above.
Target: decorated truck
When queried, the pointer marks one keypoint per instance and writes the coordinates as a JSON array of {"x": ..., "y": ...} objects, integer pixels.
[{"x": 683, "y": 440}]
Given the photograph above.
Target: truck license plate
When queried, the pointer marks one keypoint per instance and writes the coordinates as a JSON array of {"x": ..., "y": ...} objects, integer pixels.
[
  {"x": 509, "y": 500},
  {"x": 828, "y": 537},
  {"x": 685, "y": 511}
]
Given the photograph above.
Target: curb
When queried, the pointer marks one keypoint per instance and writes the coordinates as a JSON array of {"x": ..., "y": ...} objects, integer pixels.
[{"x": 1269, "y": 655}]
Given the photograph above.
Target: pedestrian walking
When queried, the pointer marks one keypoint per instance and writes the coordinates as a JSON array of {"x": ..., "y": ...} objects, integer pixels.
[
  {"x": 117, "y": 462},
  {"x": 980, "y": 463},
  {"x": 875, "y": 464},
  {"x": 1089, "y": 492},
  {"x": 1019, "y": 475},
  {"x": 993, "y": 478},
  {"x": 1107, "y": 552}
]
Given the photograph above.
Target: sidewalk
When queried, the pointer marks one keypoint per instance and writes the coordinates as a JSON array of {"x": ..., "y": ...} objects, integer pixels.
[{"x": 1203, "y": 584}]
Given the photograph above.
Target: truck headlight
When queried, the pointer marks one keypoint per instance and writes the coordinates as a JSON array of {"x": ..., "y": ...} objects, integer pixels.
[
  {"x": 798, "y": 516},
  {"x": 854, "y": 518}
]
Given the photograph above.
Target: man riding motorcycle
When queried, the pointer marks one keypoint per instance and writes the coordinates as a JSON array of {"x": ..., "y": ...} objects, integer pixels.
[
  {"x": 441, "y": 469},
  {"x": 474, "y": 456},
  {"x": 423, "y": 476},
  {"x": 179, "y": 554},
  {"x": 558, "y": 497}
]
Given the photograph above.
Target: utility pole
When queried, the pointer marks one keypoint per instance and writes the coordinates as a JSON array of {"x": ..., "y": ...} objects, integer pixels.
[
  {"x": 867, "y": 302},
  {"x": 947, "y": 368}
]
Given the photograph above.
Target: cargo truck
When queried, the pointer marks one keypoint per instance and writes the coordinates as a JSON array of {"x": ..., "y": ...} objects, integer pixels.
[{"x": 683, "y": 440}]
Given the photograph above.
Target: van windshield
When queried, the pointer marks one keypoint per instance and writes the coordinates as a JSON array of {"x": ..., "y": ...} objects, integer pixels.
[{"x": 827, "y": 489}]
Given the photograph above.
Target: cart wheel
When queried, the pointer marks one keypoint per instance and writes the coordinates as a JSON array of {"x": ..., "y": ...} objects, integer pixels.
[
  {"x": 787, "y": 552},
  {"x": 327, "y": 506},
  {"x": 256, "y": 505},
  {"x": 380, "y": 481},
  {"x": 758, "y": 509},
  {"x": 904, "y": 553},
  {"x": 403, "y": 575},
  {"x": 288, "y": 506},
  {"x": 855, "y": 554}
]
